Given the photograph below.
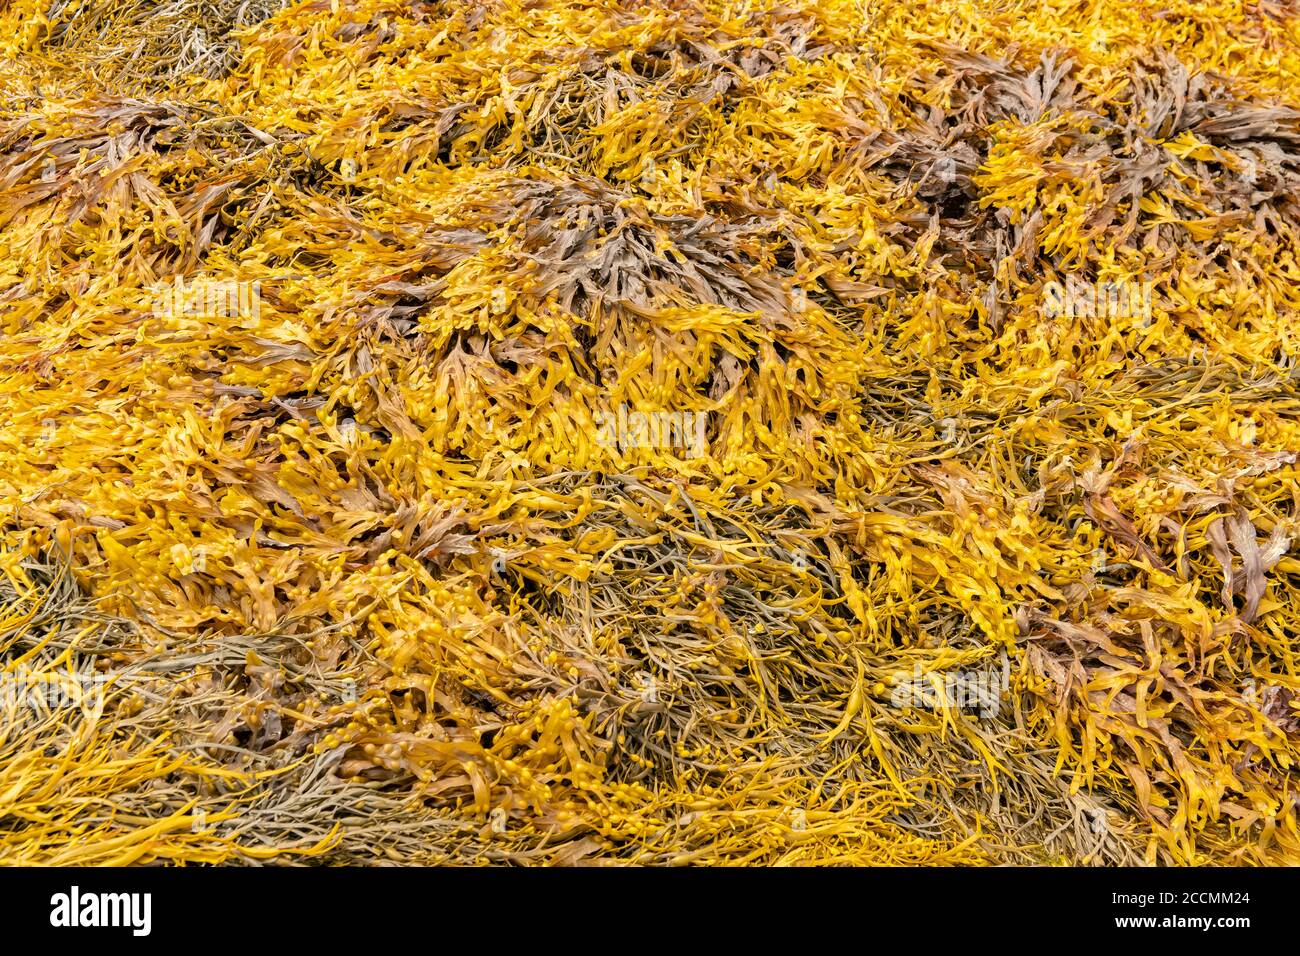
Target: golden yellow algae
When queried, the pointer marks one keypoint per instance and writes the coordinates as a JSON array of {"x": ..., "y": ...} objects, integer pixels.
[{"x": 696, "y": 432}]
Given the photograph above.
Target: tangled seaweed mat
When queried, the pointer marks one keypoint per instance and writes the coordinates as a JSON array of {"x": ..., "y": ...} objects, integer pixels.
[{"x": 352, "y": 577}]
